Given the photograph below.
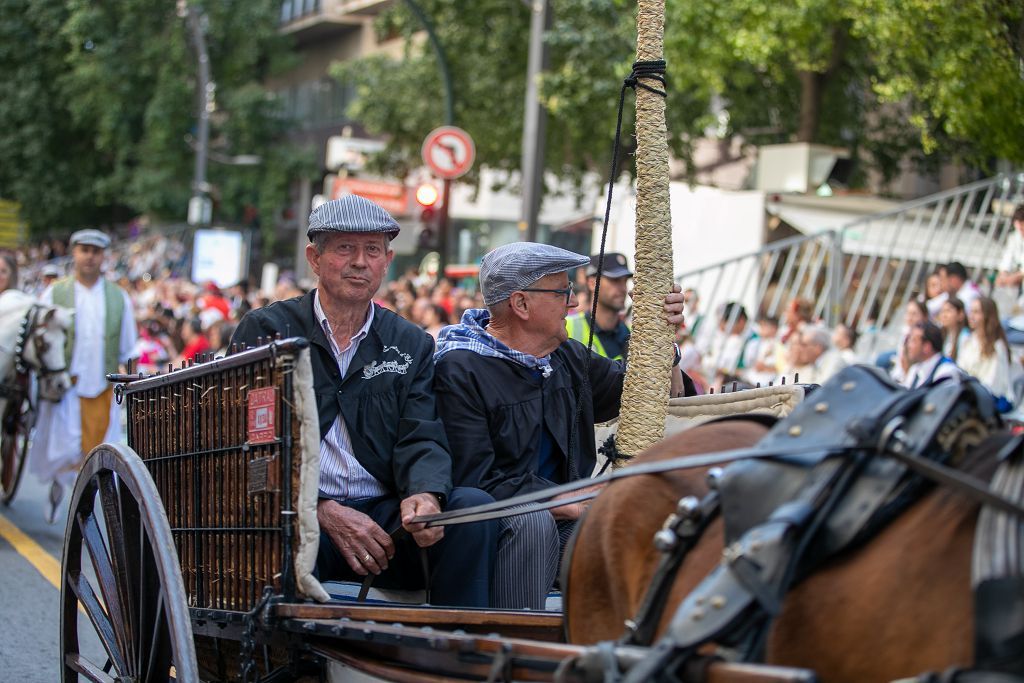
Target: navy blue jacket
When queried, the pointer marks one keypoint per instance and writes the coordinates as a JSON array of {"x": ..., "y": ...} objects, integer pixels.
[
  {"x": 493, "y": 411},
  {"x": 385, "y": 397}
]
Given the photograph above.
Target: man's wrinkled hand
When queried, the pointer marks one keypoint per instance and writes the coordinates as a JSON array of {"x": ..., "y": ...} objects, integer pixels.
[
  {"x": 573, "y": 510},
  {"x": 365, "y": 546},
  {"x": 414, "y": 506},
  {"x": 674, "y": 302}
]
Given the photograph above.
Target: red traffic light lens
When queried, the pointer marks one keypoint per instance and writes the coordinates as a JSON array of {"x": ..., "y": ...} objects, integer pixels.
[{"x": 426, "y": 195}]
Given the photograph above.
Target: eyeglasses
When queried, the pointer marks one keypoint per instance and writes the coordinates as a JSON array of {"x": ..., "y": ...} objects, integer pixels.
[{"x": 568, "y": 291}]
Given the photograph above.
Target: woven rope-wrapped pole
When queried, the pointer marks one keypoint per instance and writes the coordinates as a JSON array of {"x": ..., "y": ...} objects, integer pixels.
[{"x": 645, "y": 395}]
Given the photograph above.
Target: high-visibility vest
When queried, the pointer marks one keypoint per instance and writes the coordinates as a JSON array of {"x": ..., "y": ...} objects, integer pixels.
[{"x": 579, "y": 329}]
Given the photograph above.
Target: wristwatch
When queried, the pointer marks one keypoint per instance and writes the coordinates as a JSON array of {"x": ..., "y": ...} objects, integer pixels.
[{"x": 441, "y": 499}]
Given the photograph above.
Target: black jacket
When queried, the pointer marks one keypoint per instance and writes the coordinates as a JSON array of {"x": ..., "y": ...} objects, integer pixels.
[
  {"x": 493, "y": 410},
  {"x": 391, "y": 416}
]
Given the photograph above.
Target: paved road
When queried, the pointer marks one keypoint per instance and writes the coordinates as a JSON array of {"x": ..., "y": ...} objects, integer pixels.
[{"x": 30, "y": 593}]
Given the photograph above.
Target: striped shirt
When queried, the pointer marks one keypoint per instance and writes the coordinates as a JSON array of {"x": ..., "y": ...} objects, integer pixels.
[{"x": 341, "y": 475}]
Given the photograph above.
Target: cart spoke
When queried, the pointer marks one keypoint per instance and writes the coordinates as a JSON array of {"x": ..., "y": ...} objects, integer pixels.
[
  {"x": 104, "y": 569},
  {"x": 157, "y": 647},
  {"x": 84, "y": 667},
  {"x": 101, "y": 622},
  {"x": 117, "y": 542}
]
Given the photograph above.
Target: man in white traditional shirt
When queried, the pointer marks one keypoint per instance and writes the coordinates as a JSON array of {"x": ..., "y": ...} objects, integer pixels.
[
  {"x": 924, "y": 351},
  {"x": 101, "y": 339}
]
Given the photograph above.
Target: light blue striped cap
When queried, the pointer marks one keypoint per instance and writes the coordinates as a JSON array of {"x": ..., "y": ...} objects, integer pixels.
[
  {"x": 90, "y": 237},
  {"x": 516, "y": 266},
  {"x": 351, "y": 213}
]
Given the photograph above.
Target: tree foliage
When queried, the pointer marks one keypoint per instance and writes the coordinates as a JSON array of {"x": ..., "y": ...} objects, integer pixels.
[
  {"x": 929, "y": 80},
  {"x": 98, "y": 100}
]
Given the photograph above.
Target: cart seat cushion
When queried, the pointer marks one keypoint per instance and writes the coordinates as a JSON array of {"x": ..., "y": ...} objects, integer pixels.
[
  {"x": 308, "y": 452},
  {"x": 777, "y": 401}
]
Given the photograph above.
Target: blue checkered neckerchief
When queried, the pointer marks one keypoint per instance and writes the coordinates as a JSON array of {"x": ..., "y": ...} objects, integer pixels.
[{"x": 470, "y": 335}]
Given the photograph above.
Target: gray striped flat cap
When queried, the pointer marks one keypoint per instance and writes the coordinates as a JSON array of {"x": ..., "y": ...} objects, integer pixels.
[
  {"x": 516, "y": 266},
  {"x": 93, "y": 238},
  {"x": 351, "y": 213}
]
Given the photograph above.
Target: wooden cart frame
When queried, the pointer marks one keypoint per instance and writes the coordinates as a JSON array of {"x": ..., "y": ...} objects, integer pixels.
[{"x": 183, "y": 554}]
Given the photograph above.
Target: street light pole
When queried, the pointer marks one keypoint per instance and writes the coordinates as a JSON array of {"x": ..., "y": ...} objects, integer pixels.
[
  {"x": 449, "y": 120},
  {"x": 534, "y": 122},
  {"x": 199, "y": 205}
]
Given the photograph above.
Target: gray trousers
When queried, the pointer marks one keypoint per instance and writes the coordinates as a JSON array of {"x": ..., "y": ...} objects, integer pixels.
[{"x": 529, "y": 550}]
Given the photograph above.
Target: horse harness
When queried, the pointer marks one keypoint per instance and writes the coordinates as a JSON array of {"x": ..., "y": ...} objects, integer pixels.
[{"x": 787, "y": 515}]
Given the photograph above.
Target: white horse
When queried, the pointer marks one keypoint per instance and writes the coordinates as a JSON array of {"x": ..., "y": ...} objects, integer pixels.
[{"x": 32, "y": 337}]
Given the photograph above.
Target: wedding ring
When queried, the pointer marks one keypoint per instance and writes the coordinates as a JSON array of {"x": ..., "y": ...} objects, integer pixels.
[{"x": 366, "y": 557}]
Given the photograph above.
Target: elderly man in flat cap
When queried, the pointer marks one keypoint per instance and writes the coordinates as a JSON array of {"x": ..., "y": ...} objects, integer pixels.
[
  {"x": 102, "y": 338},
  {"x": 383, "y": 453},
  {"x": 507, "y": 384}
]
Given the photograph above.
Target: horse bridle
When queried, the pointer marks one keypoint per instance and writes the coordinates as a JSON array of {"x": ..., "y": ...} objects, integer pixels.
[{"x": 39, "y": 345}]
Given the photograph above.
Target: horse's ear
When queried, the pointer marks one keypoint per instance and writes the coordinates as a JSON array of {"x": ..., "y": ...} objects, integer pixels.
[{"x": 48, "y": 317}]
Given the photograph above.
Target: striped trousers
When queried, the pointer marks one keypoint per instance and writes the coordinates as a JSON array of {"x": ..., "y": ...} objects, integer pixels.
[{"x": 529, "y": 551}]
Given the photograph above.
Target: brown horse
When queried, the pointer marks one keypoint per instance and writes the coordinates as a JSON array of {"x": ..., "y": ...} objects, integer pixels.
[{"x": 896, "y": 607}]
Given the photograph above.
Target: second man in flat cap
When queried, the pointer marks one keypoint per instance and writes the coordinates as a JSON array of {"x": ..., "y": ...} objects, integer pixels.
[{"x": 507, "y": 385}]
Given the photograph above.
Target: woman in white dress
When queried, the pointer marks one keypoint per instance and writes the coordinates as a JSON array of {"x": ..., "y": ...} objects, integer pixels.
[{"x": 985, "y": 354}]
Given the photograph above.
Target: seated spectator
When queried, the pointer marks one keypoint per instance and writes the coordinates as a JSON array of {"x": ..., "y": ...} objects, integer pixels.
[
  {"x": 985, "y": 354},
  {"x": 220, "y": 336},
  {"x": 725, "y": 356},
  {"x": 1011, "y": 274},
  {"x": 761, "y": 360},
  {"x": 1011, "y": 268},
  {"x": 798, "y": 313},
  {"x": 194, "y": 338},
  {"x": 928, "y": 363},
  {"x": 934, "y": 295},
  {"x": 150, "y": 347},
  {"x": 844, "y": 339},
  {"x": 953, "y": 323},
  {"x": 808, "y": 361},
  {"x": 957, "y": 284},
  {"x": 896, "y": 362},
  {"x": 434, "y": 319}
]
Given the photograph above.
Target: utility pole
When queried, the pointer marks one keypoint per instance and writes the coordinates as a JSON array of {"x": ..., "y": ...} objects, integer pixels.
[
  {"x": 534, "y": 122},
  {"x": 199, "y": 208},
  {"x": 449, "y": 120}
]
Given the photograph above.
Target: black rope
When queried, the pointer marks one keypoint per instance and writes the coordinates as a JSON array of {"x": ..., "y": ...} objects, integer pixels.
[{"x": 654, "y": 70}]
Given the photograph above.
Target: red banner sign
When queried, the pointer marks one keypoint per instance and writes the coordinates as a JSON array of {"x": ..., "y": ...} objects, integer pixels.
[
  {"x": 390, "y": 196},
  {"x": 262, "y": 421}
]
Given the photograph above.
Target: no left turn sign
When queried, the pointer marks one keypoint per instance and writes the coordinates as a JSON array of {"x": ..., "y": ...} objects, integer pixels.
[{"x": 448, "y": 152}]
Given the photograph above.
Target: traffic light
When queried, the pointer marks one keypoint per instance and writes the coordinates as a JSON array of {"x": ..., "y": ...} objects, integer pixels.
[{"x": 427, "y": 197}]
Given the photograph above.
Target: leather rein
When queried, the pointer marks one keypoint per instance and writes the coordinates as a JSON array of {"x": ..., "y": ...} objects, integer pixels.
[{"x": 893, "y": 443}]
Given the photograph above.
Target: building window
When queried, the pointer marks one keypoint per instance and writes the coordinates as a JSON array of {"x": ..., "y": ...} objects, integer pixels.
[{"x": 292, "y": 10}]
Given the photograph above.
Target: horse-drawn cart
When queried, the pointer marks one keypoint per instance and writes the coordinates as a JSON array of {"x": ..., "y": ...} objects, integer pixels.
[{"x": 190, "y": 554}]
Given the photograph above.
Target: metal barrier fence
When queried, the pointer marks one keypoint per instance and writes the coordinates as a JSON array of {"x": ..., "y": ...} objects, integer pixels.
[{"x": 867, "y": 270}]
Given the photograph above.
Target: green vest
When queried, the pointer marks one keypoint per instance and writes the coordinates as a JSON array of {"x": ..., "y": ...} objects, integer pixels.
[
  {"x": 64, "y": 295},
  {"x": 579, "y": 329}
]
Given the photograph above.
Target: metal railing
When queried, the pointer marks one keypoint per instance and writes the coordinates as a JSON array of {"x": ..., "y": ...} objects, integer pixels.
[{"x": 867, "y": 270}]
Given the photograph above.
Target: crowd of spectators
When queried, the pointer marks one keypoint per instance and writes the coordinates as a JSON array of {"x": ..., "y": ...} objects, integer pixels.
[
  {"x": 180, "y": 320},
  {"x": 951, "y": 328}
]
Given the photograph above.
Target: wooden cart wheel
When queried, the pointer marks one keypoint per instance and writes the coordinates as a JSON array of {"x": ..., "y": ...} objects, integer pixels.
[
  {"x": 14, "y": 435},
  {"x": 121, "y": 568}
]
